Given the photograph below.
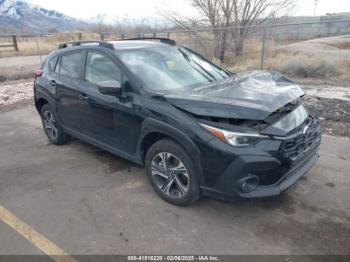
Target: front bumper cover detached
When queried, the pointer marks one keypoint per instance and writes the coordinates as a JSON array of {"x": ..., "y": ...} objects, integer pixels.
[
  {"x": 229, "y": 187},
  {"x": 286, "y": 182}
]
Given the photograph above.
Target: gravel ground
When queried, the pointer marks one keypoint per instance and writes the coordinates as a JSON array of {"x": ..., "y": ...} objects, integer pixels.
[
  {"x": 330, "y": 104},
  {"x": 15, "y": 91}
]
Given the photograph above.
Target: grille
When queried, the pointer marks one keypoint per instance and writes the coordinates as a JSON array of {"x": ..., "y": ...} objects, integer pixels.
[
  {"x": 308, "y": 138},
  {"x": 280, "y": 113}
]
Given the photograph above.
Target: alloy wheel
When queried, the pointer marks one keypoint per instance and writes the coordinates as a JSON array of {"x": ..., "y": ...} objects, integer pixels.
[
  {"x": 170, "y": 175},
  {"x": 50, "y": 125}
]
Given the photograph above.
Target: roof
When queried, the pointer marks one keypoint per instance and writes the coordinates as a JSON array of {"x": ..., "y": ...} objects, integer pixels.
[
  {"x": 118, "y": 46},
  {"x": 130, "y": 45}
]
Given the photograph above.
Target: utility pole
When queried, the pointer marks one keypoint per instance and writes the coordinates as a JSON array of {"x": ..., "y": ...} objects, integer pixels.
[{"x": 315, "y": 7}]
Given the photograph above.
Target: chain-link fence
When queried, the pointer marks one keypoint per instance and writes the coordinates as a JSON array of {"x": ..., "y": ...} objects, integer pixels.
[
  {"x": 316, "y": 49},
  {"x": 302, "y": 50}
]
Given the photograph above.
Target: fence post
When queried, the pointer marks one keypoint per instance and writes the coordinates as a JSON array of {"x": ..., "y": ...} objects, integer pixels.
[
  {"x": 263, "y": 48},
  {"x": 168, "y": 35},
  {"x": 195, "y": 38},
  {"x": 15, "y": 45},
  {"x": 80, "y": 36},
  {"x": 102, "y": 36}
]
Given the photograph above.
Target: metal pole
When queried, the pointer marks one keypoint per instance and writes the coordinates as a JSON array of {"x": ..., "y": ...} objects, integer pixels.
[
  {"x": 263, "y": 49},
  {"x": 39, "y": 52}
]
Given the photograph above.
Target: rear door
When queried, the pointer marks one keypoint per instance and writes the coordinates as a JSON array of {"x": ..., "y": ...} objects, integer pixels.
[{"x": 68, "y": 91}]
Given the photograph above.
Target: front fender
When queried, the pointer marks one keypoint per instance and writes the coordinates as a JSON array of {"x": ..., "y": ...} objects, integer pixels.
[{"x": 151, "y": 125}]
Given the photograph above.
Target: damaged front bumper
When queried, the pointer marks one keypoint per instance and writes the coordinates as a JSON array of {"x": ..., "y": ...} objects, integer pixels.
[
  {"x": 265, "y": 169},
  {"x": 230, "y": 184},
  {"x": 286, "y": 182}
]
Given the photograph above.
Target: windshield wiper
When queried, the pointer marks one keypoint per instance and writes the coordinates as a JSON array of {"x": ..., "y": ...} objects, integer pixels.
[{"x": 201, "y": 67}]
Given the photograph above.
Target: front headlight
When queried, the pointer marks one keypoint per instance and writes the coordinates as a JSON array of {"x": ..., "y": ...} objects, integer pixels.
[{"x": 234, "y": 138}]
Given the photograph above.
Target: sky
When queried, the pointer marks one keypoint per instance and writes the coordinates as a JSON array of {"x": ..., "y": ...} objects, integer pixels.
[{"x": 150, "y": 8}]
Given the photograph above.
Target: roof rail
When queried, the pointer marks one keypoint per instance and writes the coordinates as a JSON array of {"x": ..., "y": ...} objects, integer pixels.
[
  {"x": 80, "y": 43},
  {"x": 161, "y": 39}
]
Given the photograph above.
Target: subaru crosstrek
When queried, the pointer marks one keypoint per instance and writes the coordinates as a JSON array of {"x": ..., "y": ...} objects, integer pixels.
[{"x": 197, "y": 128}]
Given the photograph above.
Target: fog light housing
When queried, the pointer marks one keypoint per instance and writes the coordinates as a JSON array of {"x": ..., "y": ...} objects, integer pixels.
[{"x": 249, "y": 183}]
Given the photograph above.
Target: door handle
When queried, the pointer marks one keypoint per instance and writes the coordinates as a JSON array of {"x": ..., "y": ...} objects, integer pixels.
[
  {"x": 83, "y": 97},
  {"x": 53, "y": 83}
]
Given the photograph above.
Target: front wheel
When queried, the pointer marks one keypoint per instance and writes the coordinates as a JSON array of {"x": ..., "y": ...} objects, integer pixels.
[{"x": 171, "y": 173}]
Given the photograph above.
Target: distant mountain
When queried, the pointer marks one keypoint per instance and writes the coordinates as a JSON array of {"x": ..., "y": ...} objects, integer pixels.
[{"x": 21, "y": 16}]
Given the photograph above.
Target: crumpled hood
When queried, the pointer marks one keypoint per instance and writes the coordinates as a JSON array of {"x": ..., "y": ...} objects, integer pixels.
[{"x": 253, "y": 95}]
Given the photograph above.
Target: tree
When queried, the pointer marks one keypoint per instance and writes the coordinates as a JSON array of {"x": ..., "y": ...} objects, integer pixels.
[
  {"x": 232, "y": 18},
  {"x": 210, "y": 14},
  {"x": 98, "y": 24},
  {"x": 246, "y": 13},
  {"x": 213, "y": 11}
]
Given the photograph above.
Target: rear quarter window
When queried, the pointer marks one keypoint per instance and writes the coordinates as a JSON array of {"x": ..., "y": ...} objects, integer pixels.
[
  {"x": 52, "y": 63},
  {"x": 71, "y": 65},
  {"x": 57, "y": 69}
]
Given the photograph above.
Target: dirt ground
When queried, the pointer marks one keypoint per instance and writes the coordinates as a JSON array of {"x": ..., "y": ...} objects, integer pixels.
[
  {"x": 21, "y": 67},
  {"x": 333, "y": 113}
]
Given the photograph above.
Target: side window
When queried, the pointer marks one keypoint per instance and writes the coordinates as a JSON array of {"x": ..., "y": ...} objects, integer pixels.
[
  {"x": 52, "y": 63},
  {"x": 101, "y": 68},
  {"x": 71, "y": 65}
]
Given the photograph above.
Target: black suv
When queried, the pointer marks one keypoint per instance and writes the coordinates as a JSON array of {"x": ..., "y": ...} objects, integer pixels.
[{"x": 198, "y": 128}]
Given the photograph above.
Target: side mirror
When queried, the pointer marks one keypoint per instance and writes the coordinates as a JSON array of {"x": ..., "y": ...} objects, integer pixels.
[{"x": 110, "y": 87}]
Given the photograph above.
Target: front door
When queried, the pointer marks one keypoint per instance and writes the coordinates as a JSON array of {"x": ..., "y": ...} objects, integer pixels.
[{"x": 109, "y": 119}]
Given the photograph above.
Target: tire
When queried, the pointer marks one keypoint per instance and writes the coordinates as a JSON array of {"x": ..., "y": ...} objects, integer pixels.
[
  {"x": 52, "y": 126},
  {"x": 177, "y": 181}
]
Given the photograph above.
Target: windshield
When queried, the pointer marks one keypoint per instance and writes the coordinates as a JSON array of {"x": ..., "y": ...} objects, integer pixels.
[{"x": 169, "y": 68}]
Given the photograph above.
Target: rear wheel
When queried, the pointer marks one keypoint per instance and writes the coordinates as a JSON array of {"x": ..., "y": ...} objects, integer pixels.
[
  {"x": 52, "y": 127},
  {"x": 171, "y": 173}
]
